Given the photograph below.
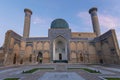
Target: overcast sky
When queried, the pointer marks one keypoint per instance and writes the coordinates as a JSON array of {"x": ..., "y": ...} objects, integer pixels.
[{"x": 75, "y": 12}]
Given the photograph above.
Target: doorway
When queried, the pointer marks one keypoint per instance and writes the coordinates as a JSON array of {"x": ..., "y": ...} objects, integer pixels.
[
  {"x": 101, "y": 61},
  {"x": 40, "y": 57},
  {"x": 60, "y": 56},
  {"x": 21, "y": 61},
  {"x": 14, "y": 59}
]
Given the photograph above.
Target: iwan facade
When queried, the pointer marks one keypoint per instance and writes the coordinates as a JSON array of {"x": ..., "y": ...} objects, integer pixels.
[{"x": 61, "y": 45}]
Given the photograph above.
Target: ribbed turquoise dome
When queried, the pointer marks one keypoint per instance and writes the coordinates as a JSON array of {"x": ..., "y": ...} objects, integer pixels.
[{"x": 59, "y": 24}]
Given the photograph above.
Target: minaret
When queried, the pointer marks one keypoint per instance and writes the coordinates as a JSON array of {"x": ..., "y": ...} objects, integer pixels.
[
  {"x": 95, "y": 22},
  {"x": 27, "y": 20}
]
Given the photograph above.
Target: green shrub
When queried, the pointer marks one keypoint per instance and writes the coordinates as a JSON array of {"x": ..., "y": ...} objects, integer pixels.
[
  {"x": 31, "y": 71},
  {"x": 112, "y": 78},
  {"x": 86, "y": 69},
  {"x": 35, "y": 69},
  {"x": 11, "y": 79},
  {"x": 90, "y": 70}
]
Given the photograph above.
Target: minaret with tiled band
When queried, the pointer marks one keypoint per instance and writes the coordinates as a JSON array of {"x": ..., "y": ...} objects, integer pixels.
[
  {"x": 95, "y": 22},
  {"x": 27, "y": 21}
]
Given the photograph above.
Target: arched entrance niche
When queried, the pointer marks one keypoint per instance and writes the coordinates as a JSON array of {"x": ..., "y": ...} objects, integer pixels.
[
  {"x": 81, "y": 57},
  {"x": 30, "y": 58},
  {"x": 39, "y": 57},
  {"x": 16, "y": 55},
  {"x": 60, "y": 49},
  {"x": 14, "y": 59}
]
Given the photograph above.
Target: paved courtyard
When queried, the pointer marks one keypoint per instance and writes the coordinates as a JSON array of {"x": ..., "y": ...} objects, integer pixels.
[{"x": 60, "y": 71}]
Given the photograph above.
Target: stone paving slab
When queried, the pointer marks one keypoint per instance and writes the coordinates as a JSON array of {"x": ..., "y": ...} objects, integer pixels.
[{"x": 61, "y": 76}]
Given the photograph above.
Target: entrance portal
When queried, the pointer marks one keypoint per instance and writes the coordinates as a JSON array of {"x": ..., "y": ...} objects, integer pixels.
[{"x": 60, "y": 49}]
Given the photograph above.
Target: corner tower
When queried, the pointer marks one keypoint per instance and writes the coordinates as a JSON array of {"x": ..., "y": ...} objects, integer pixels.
[
  {"x": 95, "y": 22},
  {"x": 27, "y": 20}
]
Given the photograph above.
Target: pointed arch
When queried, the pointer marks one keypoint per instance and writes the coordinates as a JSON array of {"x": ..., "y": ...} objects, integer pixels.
[
  {"x": 39, "y": 45},
  {"x": 16, "y": 49},
  {"x": 60, "y": 47},
  {"x": 79, "y": 46},
  {"x": 16, "y": 54},
  {"x": 72, "y": 46},
  {"x": 28, "y": 51},
  {"x": 46, "y": 46}
]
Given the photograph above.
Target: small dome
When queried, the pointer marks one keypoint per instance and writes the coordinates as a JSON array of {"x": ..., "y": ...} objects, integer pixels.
[{"x": 59, "y": 23}]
